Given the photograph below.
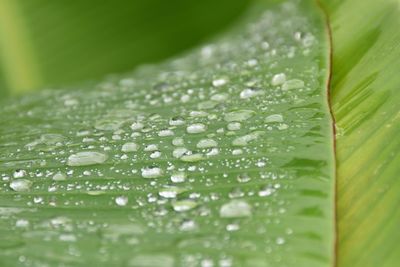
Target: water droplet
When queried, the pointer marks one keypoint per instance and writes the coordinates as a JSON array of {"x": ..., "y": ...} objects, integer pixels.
[
  {"x": 170, "y": 191},
  {"x": 196, "y": 128},
  {"x": 165, "y": 132},
  {"x": 250, "y": 92},
  {"x": 155, "y": 154},
  {"x": 152, "y": 260},
  {"x": 86, "y": 158},
  {"x": 244, "y": 140},
  {"x": 232, "y": 227},
  {"x": 19, "y": 173},
  {"x": 207, "y": 105},
  {"x": 59, "y": 176},
  {"x": 239, "y": 115},
  {"x": 137, "y": 126},
  {"x": 179, "y": 152},
  {"x": 178, "y": 141},
  {"x": 234, "y": 126},
  {"x": 274, "y": 118},
  {"x": 187, "y": 225},
  {"x": 151, "y": 147},
  {"x": 243, "y": 178},
  {"x": 278, "y": 79},
  {"x": 178, "y": 177},
  {"x": 235, "y": 209},
  {"x": 183, "y": 205},
  {"x": 107, "y": 125},
  {"x": 219, "y": 82},
  {"x": 20, "y": 185},
  {"x": 129, "y": 147},
  {"x": 293, "y": 84},
  {"x": 280, "y": 241},
  {"x": 121, "y": 200},
  {"x": 152, "y": 172},
  {"x": 192, "y": 158},
  {"x": 176, "y": 121},
  {"x": 219, "y": 97},
  {"x": 206, "y": 143}
]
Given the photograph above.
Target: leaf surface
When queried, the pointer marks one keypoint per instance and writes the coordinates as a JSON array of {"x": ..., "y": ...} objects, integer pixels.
[{"x": 221, "y": 157}]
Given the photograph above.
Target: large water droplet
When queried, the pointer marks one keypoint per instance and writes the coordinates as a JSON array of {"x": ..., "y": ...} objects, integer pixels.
[
  {"x": 239, "y": 115},
  {"x": 20, "y": 185},
  {"x": 235, "y": 209},
  {"x": 129, "y": 147},
  {"x": 86, "y": 158},
  {"x": 152, "y": 172},
  {"x": 278, "y": 79},
  {"x": 196, "y": 128}
]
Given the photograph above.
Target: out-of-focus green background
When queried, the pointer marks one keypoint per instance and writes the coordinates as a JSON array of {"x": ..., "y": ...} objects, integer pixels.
[{"x": 47, "y": 43}]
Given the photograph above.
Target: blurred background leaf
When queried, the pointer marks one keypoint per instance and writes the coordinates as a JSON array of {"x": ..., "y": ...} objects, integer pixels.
[{"x": 46, "y": 43}]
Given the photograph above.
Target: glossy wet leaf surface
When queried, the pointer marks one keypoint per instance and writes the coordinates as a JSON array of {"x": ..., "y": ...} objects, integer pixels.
[{"x": 222, "y": 157}]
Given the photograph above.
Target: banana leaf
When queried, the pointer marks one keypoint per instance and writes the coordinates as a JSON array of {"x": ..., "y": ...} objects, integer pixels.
[{"x": 225, "y": 155}]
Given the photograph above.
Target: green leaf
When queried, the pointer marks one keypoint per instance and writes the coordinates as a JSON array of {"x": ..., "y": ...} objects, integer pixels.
[
  {"x": 45, "y": 43},
  {"x": 221, "y": 157},
  {"x": 365, "y": 98}
]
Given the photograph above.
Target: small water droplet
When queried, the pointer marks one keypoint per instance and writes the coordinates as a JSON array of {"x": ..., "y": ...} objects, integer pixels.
[{"x": 121, "y": 200}]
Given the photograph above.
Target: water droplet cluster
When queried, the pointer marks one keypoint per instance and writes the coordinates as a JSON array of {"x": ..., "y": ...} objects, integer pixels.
[{"x": 188, "y": 163}]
